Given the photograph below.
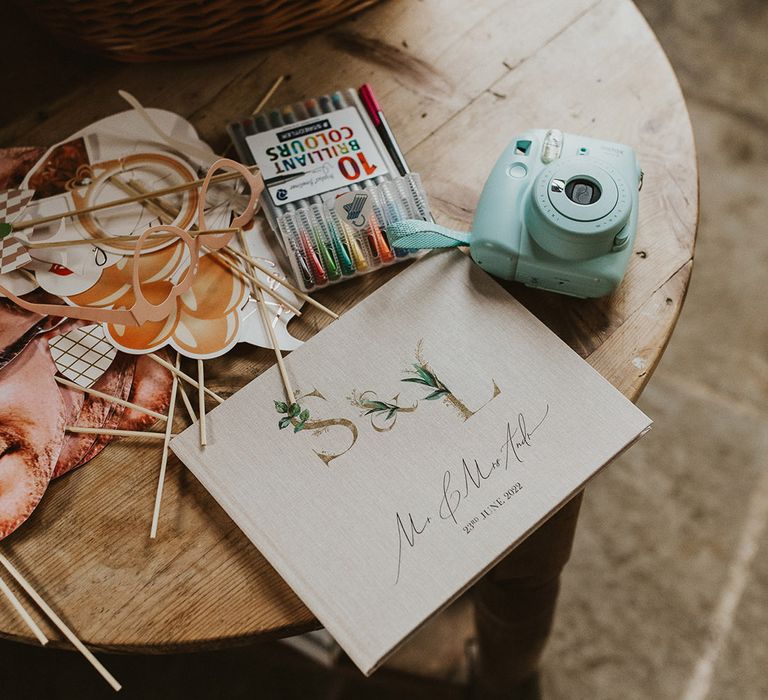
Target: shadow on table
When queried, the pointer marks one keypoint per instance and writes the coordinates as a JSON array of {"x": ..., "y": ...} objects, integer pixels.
[{"x": 265, "y": 671}]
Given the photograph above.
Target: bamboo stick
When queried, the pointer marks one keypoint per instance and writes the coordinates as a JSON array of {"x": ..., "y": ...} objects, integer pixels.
[
  {"x": 114, "y": 432},
  {"x": 128, "y": 200},
  {"x": 152, "y": 205},
  {"x": 269, "y": 94},
  {"x": 33, "y": 245},
  {"x": 164, "y": 458},
  {"x": 185, "y": 377},
  {"x": 107, "y": 397},
  {"x": 187, "y": 404},
  {"x": 271, "y": 333},
  {"x": 23, "y": 614},
  {"x": 68, "y": 633},
  {"x": 201, "y": 402}
]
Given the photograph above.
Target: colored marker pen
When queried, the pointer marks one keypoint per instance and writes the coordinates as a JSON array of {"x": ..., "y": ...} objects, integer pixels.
[
  {"x": 312, "y": 109},
  {"x": 376, "y": 114},
  {"x": 302, "y": 245},
  {"x": 378, "y": 244},
  {"x": 390, "y": 198}
]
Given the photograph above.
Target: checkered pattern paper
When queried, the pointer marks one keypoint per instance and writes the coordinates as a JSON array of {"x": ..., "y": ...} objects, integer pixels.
[
  {"x": 13, "y": 202},
  {"x": 13, "y": 255},
  {"x": 82, "y": 355}
]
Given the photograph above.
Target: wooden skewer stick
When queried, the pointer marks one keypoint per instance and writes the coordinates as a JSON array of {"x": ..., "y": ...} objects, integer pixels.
[
  {"x": 266, "y": 320},
  {"x": 138, "y": 188},
  {"x": 164, "y": 458},
  {"x": 187, "y": 404},
  {"x": 128, "y": 200},
  {"x": 185, "y": 377},
  {"x": 255, "y": 280},
  {"x": 298, "y": 292},
  {"x": 275, "y": 345},
  {"x": 114, "y": 432},
  {"x": 111, "y": 399},
  {"x": 107, "y": 240},
  {"x": 68, "y": 633},
  {"x": 153, "y": 205},
  {"x": 269, "y": 94},
  {"x": 23, "y": 614},
  {"x": 201, "y": 402}
]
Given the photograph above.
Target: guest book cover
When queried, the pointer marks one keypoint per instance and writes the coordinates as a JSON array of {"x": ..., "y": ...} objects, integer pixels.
[{"x": 435, "y": 424}]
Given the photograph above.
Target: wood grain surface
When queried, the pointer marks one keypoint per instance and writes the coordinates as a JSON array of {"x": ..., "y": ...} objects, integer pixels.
[{"x": 457, "y": 81}]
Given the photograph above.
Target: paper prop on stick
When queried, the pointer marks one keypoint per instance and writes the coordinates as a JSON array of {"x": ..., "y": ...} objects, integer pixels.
[
  {"x": 148, "y": 149},
  {"x": 13, "y": 253},
  {"x": 143, "y": 309},
  {"x": 82, "y": 355},
  {"x": 205, "y": 320}
]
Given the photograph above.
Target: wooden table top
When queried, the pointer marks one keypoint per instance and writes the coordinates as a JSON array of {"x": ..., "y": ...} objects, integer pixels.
[{"x": 457, "y": 84}]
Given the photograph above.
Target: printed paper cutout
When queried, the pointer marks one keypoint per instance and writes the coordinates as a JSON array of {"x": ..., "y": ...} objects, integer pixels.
[
  {"x": 143, "y": 309},
  {"x": 106, "y": 181},
  {"x": 13, "y": 203},
  {"x": 54, "y": 172},
  {"x": 263, "y": 246},
  {"x": 205, "y": 321},
  {"x": 13, "y": 255},
  {"x": 32, "y": 414},
  {"x": 99, "y": 150},
  {"x": 83, "y": 354}
]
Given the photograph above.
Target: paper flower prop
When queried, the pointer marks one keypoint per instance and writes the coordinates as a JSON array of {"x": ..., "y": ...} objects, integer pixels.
[{"x": 13, "y": 254}]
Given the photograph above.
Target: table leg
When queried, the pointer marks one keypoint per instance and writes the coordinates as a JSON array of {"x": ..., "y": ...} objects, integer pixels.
[{"x": 515, "y": 605}]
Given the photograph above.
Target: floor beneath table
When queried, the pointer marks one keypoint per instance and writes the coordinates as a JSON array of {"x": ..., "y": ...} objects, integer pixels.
[{"x": 665, "y": 595}]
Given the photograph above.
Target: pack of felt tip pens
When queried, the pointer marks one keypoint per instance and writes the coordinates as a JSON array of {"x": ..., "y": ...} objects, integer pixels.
[{"x": 334, "y": 180}]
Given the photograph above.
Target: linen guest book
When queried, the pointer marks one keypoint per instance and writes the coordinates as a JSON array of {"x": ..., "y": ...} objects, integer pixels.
[{"x": 436, "y": 424}]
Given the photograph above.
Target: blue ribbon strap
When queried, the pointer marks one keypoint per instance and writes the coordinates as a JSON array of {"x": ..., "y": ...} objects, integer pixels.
[{"x": 414, "y": 234}]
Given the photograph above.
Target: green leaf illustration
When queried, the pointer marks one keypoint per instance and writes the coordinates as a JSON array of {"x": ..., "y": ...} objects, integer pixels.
[
  {"x": 298, "y": 427},
  {"x": 436, "y": 395},
  {"x": 304, "y": 415},
  {"x": 284, "y": 422},
  {"x": 5, "y": 229},
  {"x": 416, "y": 380},
  {"x": 294, "y": 409},
  {"x": 426, "y": 375},
  {"x": 281, "y": 407},
  {"x": 391, "y": 413}
]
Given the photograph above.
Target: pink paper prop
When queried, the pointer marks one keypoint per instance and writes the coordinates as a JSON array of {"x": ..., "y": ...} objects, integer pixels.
[
  {"x": 33, "y": 445},
  {"x": 143, "y": 309},
  {"x": 139, "y": 380},
  {"x": 82, "y": 355},
  {"x": 31, "y": 432}
]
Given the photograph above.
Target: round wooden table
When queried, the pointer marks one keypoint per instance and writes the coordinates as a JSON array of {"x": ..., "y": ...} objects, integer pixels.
[{"x": 457, "y": 81}]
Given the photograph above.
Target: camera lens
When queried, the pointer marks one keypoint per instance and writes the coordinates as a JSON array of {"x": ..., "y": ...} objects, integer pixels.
[{"x": 582, "y": 191}]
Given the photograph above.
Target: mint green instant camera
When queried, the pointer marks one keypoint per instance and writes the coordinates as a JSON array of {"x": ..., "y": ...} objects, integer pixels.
[{"x": 559, "y": 212}]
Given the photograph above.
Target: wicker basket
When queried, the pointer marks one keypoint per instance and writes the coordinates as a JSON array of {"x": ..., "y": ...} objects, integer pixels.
[{"x": 152, "y": 30}]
